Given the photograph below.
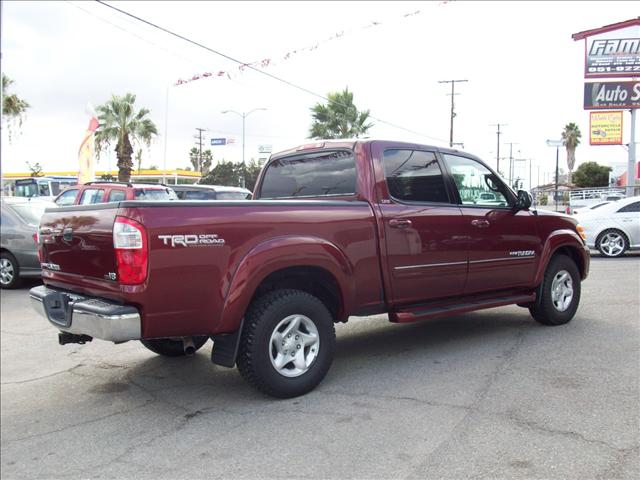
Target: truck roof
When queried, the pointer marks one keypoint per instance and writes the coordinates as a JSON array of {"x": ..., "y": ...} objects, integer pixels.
[{"x": 351, "y": 143}]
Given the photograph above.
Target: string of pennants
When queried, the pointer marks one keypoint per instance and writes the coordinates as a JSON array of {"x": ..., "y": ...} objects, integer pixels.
[{"x": 268, "y": 62}]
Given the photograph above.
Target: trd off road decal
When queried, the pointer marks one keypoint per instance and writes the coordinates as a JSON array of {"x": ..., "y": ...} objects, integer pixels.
[{"x": 202, "y": 240}]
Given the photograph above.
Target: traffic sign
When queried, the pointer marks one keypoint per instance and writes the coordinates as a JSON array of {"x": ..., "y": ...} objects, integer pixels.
[{"x": 218, "y": 141}]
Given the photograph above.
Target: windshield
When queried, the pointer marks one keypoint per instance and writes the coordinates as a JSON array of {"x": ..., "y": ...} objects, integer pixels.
[
  {"x": 154, "y": 194},
  {"x": 30, "y": 213}
]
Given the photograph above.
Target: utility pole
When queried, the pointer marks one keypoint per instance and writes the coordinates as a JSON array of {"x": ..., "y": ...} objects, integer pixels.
[
  {"x": 198, "y": 138},
  {"x": 511, "y": 164},
  {"x": 498, "y": 147},
  {"x": 453, "y": 113}
]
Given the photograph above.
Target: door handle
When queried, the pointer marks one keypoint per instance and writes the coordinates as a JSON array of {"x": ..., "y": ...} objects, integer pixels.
[
  {"x": 396, "y": 223},
  {"x": 480, "y": 223}
]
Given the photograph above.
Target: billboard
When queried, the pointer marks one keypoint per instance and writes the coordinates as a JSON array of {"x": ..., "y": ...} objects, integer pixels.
[
  {"x": 605, "y": 128},
  {"x": 613, "y": 53},
  {"x": 611, "y": 95}
]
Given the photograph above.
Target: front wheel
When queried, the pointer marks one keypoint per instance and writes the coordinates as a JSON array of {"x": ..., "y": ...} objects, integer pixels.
[
  {"x": 287, "y": 344},
  {"x": 559, "y": 294}
]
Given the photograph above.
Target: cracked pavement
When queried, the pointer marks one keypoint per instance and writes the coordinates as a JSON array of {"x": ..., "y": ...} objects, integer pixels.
[{"x": 484, "y": 395}]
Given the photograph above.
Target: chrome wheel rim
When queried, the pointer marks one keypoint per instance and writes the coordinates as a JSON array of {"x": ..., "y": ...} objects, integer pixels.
[
  {"x": 6, "y": 271},
  {"x": 612, "y": 244},
  {"x": 294, "y": 345},
  {"x": 562, "y": 290}
]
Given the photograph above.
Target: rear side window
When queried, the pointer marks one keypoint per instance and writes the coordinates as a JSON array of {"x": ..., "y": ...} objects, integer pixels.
[
  {"x": 414, "y": 176},
  {"x": 632, "y": 207},
  {"x": 91, "y": 195},
  {"x": 311, "y": 175},
  {"x": 117, "y": 195}
]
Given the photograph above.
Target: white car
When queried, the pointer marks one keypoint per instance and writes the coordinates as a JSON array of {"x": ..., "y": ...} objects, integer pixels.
[{"x": 613, "y": 228}]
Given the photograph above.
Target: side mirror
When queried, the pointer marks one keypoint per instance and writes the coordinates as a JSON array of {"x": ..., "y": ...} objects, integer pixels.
[{"x": 524, "y": 200}]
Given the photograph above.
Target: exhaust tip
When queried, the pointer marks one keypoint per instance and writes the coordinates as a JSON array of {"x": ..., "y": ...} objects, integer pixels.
[{"x": 189, "y": 347}]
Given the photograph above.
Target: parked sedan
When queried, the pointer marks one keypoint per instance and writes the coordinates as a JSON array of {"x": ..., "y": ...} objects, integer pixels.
[
  {"x": 19, "y": 220},
  {"x": 613, "y": 228}
]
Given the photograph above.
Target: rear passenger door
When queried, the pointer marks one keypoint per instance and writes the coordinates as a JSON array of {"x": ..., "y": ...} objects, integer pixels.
[
  {"x": 628, "y": 217},
  {"x": 424, "y": 231}
]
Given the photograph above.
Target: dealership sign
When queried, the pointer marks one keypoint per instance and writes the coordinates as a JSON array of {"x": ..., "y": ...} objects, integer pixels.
[
  {"x": 611, "y": 95},
  {"x": 613, "y": 53},
  {"x": 605, "y": 128}
]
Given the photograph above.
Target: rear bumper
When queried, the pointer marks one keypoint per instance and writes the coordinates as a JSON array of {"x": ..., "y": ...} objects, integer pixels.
[{"x": 81, "y": 315}]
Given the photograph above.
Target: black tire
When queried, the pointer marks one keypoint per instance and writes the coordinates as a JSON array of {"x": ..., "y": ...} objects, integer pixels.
[
  {"x": 609, "y": 251},
  {"x": 10, "y": 271},
  {"x": 547, "y": 311},
  {"x": 171, "y": 348},
  {"x": 255, "y": 357}
]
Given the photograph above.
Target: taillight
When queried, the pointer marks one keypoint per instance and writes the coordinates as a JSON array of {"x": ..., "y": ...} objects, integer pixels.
[
  {"x": 132, "y": 253},
  {"x": 36, "y": 239}
]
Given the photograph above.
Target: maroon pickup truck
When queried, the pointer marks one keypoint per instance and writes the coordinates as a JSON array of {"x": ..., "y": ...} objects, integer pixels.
[{"x": 335, "y": 229}]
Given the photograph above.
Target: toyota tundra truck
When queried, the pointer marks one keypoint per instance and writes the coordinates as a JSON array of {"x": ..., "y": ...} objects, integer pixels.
[{"x": 335, "y": 229}]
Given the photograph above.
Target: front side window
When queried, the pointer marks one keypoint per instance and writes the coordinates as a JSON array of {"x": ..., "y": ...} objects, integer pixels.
[
  {"x": 311, "y": 175},
  {"x": 414, "y": 176},
  {"x": 67, "y": 198},
  {"x": 476, "y": 184},
  {"x": 91, "y": 196}
]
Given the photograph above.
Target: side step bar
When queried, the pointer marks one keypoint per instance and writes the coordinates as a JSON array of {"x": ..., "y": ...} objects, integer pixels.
[{"x": 423, "y": 312}]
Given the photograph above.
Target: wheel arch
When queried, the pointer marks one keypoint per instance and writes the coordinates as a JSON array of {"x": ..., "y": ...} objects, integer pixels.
[
  {"x": 564, "y": 242},
  {"x": 323, "y": 271}
]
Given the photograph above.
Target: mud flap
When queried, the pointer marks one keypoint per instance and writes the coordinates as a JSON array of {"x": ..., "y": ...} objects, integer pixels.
[{"x": 225, "y": 347}]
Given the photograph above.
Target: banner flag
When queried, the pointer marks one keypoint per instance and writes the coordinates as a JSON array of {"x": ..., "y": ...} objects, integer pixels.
[{"x": 86, "y": 153}]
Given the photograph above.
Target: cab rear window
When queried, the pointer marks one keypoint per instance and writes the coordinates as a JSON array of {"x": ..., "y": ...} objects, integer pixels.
[
  {"x": 319, "y": 174},
  {"x": 152, "y": 194}
]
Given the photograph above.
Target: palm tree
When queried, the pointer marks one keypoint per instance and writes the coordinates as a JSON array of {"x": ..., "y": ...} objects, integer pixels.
[
  {"x": 340, "y": 118},
  {"x": 13, "y": 107},
  {"x": 571, "y": 139},
  {"x": 120, "y": 123}
]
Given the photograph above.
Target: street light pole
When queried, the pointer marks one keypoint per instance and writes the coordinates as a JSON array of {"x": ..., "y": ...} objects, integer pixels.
[
  {"x": 244, "y": 115},
  {"x": 557, "y": 144}
]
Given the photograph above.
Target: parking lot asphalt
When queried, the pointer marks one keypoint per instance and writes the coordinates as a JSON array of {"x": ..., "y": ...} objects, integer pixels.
[{"x": 489, "y": 394}]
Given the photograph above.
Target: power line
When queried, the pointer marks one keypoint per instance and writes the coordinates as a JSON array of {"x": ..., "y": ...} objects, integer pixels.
[{"x": 250, "y": 67}]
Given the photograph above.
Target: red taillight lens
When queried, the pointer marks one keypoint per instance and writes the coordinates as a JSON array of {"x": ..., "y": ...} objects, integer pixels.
[
  {"x": 131, "y": 248},
  {"x": 36, "y": 239}
]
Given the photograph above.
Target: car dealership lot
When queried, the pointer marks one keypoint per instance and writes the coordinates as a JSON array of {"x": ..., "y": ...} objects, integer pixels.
[{"x": 490, "y": 394}]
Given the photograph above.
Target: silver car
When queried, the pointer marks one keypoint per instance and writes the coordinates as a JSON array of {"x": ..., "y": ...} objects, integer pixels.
[
  {"x": 19, "y": 220},
  {"x": 613, "y": 228}
]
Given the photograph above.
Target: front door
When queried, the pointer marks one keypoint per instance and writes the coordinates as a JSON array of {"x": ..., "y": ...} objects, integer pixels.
[
  {"x": 423, "y": 230},
  {"x": 504, "y": 245}
]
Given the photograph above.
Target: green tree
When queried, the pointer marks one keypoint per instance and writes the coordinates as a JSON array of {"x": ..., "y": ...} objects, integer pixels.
[
  {"x": 35, "y": 169},
  {"x": 122, "y": 124},
  {"x": 224, "y": 173},
  {"x": 571, "y": 139},
  {"x": 13, "y": 107},
  {"x": 591, "y": 174},
  {"x": 251, "y": 174},
  {"x": 339, "y": 118},
  {"x": 203, "y": 164}
]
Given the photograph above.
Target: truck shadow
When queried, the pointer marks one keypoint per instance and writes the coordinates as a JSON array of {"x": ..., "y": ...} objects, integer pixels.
[{"x": 366, "y": 349}]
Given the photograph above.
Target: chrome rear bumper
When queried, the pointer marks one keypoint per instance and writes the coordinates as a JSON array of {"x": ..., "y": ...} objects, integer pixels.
[{"x": 81, "y": 315}]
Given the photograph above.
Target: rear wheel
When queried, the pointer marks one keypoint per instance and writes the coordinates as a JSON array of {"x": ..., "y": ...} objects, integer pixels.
[
  {"x": 287, "y": 343},
  {"x": 172, "y": 348},
  {"x": 612, "y": 243},
  {"x": 9, "y": 271},
  {"x": 559, "y": 294}
]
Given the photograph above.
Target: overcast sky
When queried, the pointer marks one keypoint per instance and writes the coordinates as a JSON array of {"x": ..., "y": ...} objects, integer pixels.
[{"x": 524, "y": 70}]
